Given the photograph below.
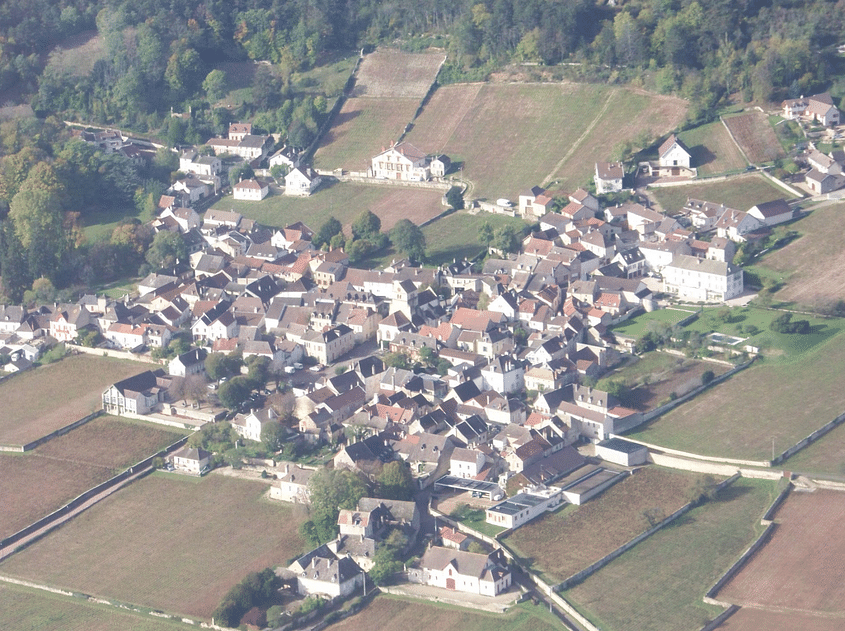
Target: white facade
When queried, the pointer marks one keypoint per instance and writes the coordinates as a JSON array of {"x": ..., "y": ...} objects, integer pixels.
[
  {"x": 401, "y": 162},
  {"x": 250, "y": 190},
  {"x": 703, "y": 280},
  {"x": 461, "y": 571},
  {"x": 301, "y": 182},
  {"x": 675, "y": 156},
  {"x": 523, "y": 507}
]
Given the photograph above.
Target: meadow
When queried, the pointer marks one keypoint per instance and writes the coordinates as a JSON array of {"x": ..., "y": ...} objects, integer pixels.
[
  {"x": 713, "y": 150},
  {"x": 740, "y": 193}
]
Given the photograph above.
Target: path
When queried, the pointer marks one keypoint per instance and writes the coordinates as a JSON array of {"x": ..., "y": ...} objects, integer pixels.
[
  {"x": 32, "y": 537},
  {"x": 581, "y": 139}
]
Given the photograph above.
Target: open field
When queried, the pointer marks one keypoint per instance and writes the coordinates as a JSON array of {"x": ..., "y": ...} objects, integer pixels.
[
  {"x": 456, "y": 235},
  {"x": 601, "y": 525},
  {"x": 659, "y": 584},
  {"x": 748, "y": 619},
  {"x": 50, "y": 397},
  {"x": 363, "y": 127},
  {"x": 813, "y": 265},
  {"x": 740, "y": 193},
  {"x": 767, "y": 407},
  {"x": 512, "y": 136},
  {"x": 344, "y": 201},
  {"x": 392, "y": 612},
  {"x": 755, "y": 135},
  {"x": 790, "y": 571},
  {"x": 826, "y": 456},
  {"x": 25, "y": 608},
  {"x": 166, "y": 543},
  {"x": 43, "y": 480},
  {"x": 713, "y": 151},
  {"x": 655, "y": 376},
  {"x": 392, "y": 73}
]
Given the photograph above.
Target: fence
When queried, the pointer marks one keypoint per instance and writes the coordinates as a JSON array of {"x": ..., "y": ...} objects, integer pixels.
[{"x": 84, "y": 497}]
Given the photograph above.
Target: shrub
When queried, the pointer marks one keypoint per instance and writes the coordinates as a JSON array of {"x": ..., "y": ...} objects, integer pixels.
[{"x": 707, "y": 376}]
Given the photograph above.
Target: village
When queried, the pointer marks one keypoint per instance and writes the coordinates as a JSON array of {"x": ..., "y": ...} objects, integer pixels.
[{"x": 478, "y": 377}]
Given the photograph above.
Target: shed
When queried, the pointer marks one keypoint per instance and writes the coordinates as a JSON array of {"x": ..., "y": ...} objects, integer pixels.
[{"x": 622, "y": 452}]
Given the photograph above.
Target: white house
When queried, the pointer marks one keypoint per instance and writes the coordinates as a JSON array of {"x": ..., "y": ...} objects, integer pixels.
[
  {"x": 191, "y": 460},
  {"x": 251, "y": 425},
  {"x": 440, "y": 166},
  {"x": 771, "y": 213},
  {"x": 293, "y": 485},
  {"x": 673, "y": 153},
  {"x": 609, "y": 176},
  {"x": 401, "y": 162},
  {"x": 466, "y": 463},
  {"x": 250, "y": 190},
  {"x": 735, "y": 224},
  {"x": 504, "y": 374},
  {"x": 706, "y": 280},
  {"x": 301, "y": 181},
  {"x": 187, "y": 364},
  {"x": 456, "y": 570},
  {"x": 523, "y": 507},
  {"x": 818, "y": 107},
  {"x": 330, "y": 577}
]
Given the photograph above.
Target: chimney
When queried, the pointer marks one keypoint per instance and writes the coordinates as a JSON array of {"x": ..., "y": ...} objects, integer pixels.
[{"x": 314, "y": 561}]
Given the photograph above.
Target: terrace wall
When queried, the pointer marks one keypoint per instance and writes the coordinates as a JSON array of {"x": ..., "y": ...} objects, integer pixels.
[
  {"x": 710, "y": 596},
  {"x": 809, "y": 439}
]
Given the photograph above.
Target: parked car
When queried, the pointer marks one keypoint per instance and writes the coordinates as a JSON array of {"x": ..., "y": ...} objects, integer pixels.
[
  {"x": 316, "y": 368},
  {"x": 290, "y": 369}
]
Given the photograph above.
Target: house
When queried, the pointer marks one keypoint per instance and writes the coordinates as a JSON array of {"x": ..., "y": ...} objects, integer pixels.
[
  {"x": 527, "y": 199},
  {"x": 68, "y": 321},
  {"x": 771, "y": 213},
  {"x": 250, "y": 190},
  {"x": 822, "y": 183},
  {"x": 818, "y": 108},
  {"x": 504, "y": 374},
  {"x": 451, "y": 538},
  {"x": 735, "y": 224},
  {"x": 466, "y": 463},
  {"x": 440, "y": 165},
  {"x": 250, "y": 426},
  {"x": 705, "y": 280},
  {"x": 609, "y": 176},
  {"x": 137, "y": 395},
  {"x": 523, "y": 507},
  {"x": 192, "y": 460},
  {"x": 190, "y": 363},
  {"x": 427, "y": 454},
  {"x": 194, "y": 188},
  {"x": 293, "y": 485},
  {"x": 674, "y": 153},
  {"x": 284, "y": 157},
  {"x": 301, "y": 181},
  {"x": 401, "y": 161},
  {"x": 328, "y": 346},
  {"x": 330, "y": 577},
  {"x": 456, "y": 570}
]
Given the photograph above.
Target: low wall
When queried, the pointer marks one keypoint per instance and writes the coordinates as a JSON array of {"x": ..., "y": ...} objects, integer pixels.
[
  {"x": 716, "y": 622},
  {"x": 769, "y": 515},
  {"x": 686, "y": 464},
  {"x": 564, "y": 604},
  {"x": 161, "y": 419},
  {"x": 84, "y": 497},
  {"x": 809, "y": 439},
  {"x": 783, "y": 185},
  {"x": 472, "y": 532},
  {"x": 108, "y": 352},
  {"x": 710, "y": 596},
  {"x": 692, "y": 456},
  {"x": 442, "y": 186},
  {"x": 61, "y": 431}
]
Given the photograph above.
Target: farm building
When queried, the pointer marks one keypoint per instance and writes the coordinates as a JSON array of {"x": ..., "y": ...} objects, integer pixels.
[
  {"x": 523, "y": 507},
  {"x": 191, "y": 460},
  {"x": 621, "y": 452},
  {"x": 483, "y": 574}
]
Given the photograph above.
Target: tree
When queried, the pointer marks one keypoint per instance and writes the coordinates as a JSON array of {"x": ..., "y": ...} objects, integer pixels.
[
  {"x": 408, "y": 238},
  {"x": 38, "y": 222},
  {"x": 707, "y": 376},
  {"x": 485, "y": 234},
  {"x": 387, "y": 558},
  {"x": 215, "y": 85},
  {"x": 217, "y": 366},
  {"x": 396, "y": 360},
  {"x": 506, "y": 239},
  {"x": 367, "y": 225},
  {"x": 704, "y": 488},
  {"x": 234, "y": 392},
  {"x": 329, "y": 229},
  {"x": 427, "y": 355},
  {"x": 331, "y": 490},
  {"x": 168, "y": 249},
  {"x": 396, "y": 482},
  {"x": 259, "y": 371},
  {"x": 273, "y": 436},
  {"x": 455, "y": 198}
]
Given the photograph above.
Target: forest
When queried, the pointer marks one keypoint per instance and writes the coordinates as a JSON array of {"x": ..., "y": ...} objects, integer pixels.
[{"x": 161, "y": 57}]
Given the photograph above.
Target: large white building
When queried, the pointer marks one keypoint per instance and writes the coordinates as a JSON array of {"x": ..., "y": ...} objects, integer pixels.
[
  {"x": 704, "y": 280},
  {"x": 401, "y": 162},
  {"x": 483, "y": 574}
]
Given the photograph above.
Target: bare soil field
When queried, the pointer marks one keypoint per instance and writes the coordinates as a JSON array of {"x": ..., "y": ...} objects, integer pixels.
[
  {"x": 38, "y": 482},
  {"x": 393, "y": 73},
  {"x": 167, "y": 542},
  {"x": 680, "y": 380},
  {"x": 48, "y": 398},
  {"x": 390, "y": 612},
  {"x": 813, "y": 265},
  {"x": 602, "y": 524},
  {"x": 800, "y": 567},
  {"x": 756, "y": 136},
  {"x": 362, "y": 128},
  {"x": 771, "y": 402},
  {"x": 512, "y": 136},
  {"x": 25, "y": 608},
  {"x": 713, "y": 151},
  {"x": 749, "y": 619}
]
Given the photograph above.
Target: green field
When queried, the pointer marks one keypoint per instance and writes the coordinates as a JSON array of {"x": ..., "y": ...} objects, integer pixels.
[
  {"x": 456, "y": 236},
  {"x": 825, "y": 457},
  {"x": 713, "y": 151},
  {"x": 345, "y": 202},
  {"x": 739, "y": 193},
  {"x": 393, "y": 612},
  {"x": 767, "y": 407},
  {"x": 601, "y": 525},
  {"x": 510, "y": 136},
  {"x": 25, "y": 608},
  {"x": 639, "y": 325},
  {"x": 166, "y": 542},
  {"x": 659, "y": 584}
]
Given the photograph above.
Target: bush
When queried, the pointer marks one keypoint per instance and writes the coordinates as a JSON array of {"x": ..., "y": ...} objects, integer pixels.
[
  {"x": 707, "y": 376},
  {"x": 784, "y": 324}
]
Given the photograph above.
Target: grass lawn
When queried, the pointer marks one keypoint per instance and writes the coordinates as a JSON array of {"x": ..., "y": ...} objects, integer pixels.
[
  {"x": 99, "y": 224},
  {"x": 43, "y": 400},
  {"x": 826, "y": 456},
  {"x": 713, "y": 151},
  {"x": 601, "y": 525},
  {"x": 775, "y": 401},
  {"x": 167, "y": 544},
  {"x": 511, "y": 136},
  {"x": 475, "y": 518},
  {"x": 344, "y": 201},
  {"x": 639, "y": 325},
  {"x": 393, "y": 612},
  {"x": 813, "y": 265},
  {"x": 25, "y": 608},
  {"x": 456, "y": 236},
  {"x": 42, "y": 480},
  {"x": 740, "y": 193},
  {"x": 659, "y": 584}
]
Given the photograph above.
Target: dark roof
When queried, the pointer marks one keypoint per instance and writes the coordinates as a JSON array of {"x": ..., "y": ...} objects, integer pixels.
[{"x": 617, "y": 444}]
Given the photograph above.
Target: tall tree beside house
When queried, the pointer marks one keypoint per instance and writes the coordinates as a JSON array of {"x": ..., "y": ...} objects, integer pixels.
[
  {"x": 395, "y": 482},
  {"x": 214, "y": 85},
  {"x": 506, "y": 239},
  {"x": 39, "y": 226},
  {"x": 167, "y": 249},
  {"x": 234, "y": 392},
  {"x": 408, "y": 238},
  {"x": 387, "y": 558},
  {"x": 366, "y": 226},
  {"x": 331, "y": 490},
  {"x": 327, "y": 231}
]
